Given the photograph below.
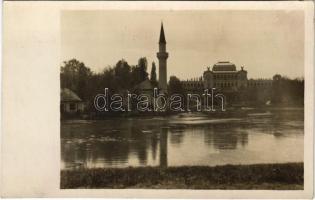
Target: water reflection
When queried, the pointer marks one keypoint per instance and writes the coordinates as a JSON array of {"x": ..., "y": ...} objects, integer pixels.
[
  {"x": 226, "y": 138},
  {"x": 191, "y": 140},
  {"x": 163, "y": 148}
]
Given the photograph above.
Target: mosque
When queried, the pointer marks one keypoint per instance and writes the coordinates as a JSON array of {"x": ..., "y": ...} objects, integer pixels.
[{"x": 223, "y": 75}]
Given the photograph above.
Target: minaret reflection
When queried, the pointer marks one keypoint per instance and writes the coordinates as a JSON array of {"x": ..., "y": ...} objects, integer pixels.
[{"x": 163, "y": 148}]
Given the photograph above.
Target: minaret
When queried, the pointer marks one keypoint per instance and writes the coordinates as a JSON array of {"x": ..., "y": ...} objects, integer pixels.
[{"x": 162, "y": 55}]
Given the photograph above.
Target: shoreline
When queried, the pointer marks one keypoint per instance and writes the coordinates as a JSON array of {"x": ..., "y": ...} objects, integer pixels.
[
  {"x": 239, "y": 111},
  {"x": 284, "y": 176}
]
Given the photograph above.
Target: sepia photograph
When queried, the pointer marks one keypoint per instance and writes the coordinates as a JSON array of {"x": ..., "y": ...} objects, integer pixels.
[
  {"x": 157, "y": 99},
  {"x": 182, "y": 99}
]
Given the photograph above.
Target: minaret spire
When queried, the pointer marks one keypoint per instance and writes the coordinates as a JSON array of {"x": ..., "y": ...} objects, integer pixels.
[
  {"x": 162, "y": 55},
  {"x": 162, "y": 35}
]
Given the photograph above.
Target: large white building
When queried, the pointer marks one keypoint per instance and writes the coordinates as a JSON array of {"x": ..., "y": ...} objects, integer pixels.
[{"x": 225, "y": 76}]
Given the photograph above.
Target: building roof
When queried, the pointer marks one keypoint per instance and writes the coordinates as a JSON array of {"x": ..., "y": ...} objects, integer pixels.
[
  {"x": 145, "y": 85},
  {"x": 69, "y": 95},
  {"x": 162, "y": 36},
  {"x": 224, "y": 66},
  {"x": 222, "y": 72}
]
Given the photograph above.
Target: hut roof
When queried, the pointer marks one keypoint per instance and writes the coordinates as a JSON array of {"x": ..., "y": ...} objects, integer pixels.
[
  {"x": 145, "y": 85},
  {"x": 69, "y": 95}
]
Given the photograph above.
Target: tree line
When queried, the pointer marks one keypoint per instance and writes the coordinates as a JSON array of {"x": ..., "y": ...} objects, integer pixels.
[{"x": 76, "y": 76}]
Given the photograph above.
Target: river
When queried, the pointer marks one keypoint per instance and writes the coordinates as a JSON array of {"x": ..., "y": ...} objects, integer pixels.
[{"x": 184, "y": 139}]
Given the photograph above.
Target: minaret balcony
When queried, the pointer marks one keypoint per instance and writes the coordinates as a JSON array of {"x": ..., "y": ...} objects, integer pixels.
[{"x": 162, "y": 55}]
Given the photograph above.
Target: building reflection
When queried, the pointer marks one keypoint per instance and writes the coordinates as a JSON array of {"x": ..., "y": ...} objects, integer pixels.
[
  {"x": 163, "y": 148},
  {"x": 140, "y": 144},
  {"x": 227, "y": 137},
  {"x": 177, "y": 135},
  {"x": 154, "y": 145}
]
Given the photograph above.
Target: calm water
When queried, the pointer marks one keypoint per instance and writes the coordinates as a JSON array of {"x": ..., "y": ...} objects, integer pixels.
[{"x": 187, "y": 139}]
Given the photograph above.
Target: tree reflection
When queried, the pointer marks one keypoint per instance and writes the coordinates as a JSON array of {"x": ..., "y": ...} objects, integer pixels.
[
  {"x": 130, "y": 142},
  {"x": 163, "y": 148},
  {"x": 154, "y": 145}
]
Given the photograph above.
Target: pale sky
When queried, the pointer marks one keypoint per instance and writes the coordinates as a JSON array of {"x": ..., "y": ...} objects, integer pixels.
[{"x": 264, "y": 42}]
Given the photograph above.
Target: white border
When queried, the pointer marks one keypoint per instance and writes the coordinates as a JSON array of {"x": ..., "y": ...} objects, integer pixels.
[{"x": 31, "y": 28}]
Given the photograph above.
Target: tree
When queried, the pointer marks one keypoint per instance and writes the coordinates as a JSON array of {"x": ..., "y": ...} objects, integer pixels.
[
  {"x": 153, "y": 75},
  {"x": 287, "y": 91},
  {"x": 122, "y": 74},
  {"x": 139, "y": 72},
  {"x": 75, "y": 76},
  {"x": 143, "y": 65},
  {"x": 175, "y": 86}
]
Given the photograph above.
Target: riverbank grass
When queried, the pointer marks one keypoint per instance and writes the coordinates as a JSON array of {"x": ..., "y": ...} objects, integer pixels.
[{"x": 287, "y": 176}]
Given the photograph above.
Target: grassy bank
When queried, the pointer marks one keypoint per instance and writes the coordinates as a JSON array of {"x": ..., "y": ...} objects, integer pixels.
[{"x": 261, "y": 176}]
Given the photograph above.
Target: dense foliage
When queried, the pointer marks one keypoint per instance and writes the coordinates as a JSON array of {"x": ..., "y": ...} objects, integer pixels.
[{"x": 76, "y": 76}]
